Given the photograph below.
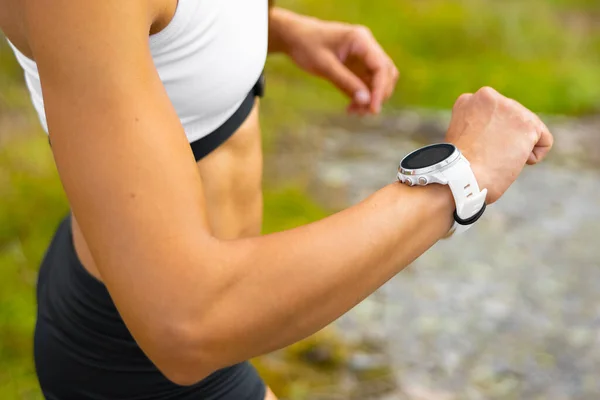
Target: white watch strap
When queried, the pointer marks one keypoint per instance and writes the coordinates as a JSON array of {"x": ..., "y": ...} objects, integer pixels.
[{"x": 467, "y": 196}]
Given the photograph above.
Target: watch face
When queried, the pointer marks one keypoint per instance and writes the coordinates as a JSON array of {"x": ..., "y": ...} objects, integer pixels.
[{"x": 428, "y": 156}]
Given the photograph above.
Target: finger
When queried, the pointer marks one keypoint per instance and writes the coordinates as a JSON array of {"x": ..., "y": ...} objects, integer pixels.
[
  {"x": 378, "y": 89},
  {"x": 352, "y": 108},
  {"x": 543, "y": 146},
  {"x": 393, "y": 80},
  {"x": 545, "y": 140},
  {"x": 366, "y": 48},
  {"x": 461, "y": 101},
  {"x": 345, "y": 80},
  {"x": 357, "y": 109},
  {"x": 381, "y": 80},
  {"x": 376, "y": 73}
]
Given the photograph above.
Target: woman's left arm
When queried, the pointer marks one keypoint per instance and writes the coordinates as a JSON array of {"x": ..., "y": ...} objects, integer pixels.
[{"x": 346, "y": 55}]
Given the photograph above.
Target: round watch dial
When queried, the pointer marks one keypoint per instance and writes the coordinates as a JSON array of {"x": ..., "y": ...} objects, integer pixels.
[{"x": 428, "y": 156}]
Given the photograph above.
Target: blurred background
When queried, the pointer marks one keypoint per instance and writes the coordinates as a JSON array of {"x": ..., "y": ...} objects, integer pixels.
[{"x": 510, "y": 310}]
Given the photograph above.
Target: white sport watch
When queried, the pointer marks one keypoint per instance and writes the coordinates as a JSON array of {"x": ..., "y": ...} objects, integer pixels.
[{"x": 444, "y": 164}]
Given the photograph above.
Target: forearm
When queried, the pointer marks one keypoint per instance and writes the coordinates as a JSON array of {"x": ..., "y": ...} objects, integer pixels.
[
  {"x": 282, "y": 28},
  {"x": 283, "y": 287}
]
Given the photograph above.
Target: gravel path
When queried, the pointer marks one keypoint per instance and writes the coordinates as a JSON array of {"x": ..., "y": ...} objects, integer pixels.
[{"x": 510, "y": 310}]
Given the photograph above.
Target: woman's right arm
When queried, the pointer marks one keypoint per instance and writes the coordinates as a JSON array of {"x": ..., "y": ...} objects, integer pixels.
[{"x": 192, "y": 302}]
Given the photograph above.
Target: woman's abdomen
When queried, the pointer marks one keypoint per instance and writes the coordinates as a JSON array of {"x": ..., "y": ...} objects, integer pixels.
[{"x": 232, "y": 182}]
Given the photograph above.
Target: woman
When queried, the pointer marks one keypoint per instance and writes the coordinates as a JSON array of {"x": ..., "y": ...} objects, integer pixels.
[{"x": 158, "y": 286}]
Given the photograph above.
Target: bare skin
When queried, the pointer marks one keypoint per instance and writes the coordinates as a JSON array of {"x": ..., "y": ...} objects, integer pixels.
[
  {"x": 231, "y": 175},
  {"x": 167, "y": 224}
]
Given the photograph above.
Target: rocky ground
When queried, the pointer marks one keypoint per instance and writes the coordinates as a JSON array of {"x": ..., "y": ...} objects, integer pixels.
[{"x": 510, "y": 310}]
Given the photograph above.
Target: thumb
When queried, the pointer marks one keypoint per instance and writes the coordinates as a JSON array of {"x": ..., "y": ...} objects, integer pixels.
[{"x": 346, "y": 81}]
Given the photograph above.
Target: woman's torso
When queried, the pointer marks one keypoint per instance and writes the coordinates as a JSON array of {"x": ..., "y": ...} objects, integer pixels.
[{"x": 208, "y": 54}]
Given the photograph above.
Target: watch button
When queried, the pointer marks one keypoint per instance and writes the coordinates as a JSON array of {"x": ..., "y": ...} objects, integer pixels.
[
  {"x": 422, "y": 181},
  {"x": 409, "y": 182}
]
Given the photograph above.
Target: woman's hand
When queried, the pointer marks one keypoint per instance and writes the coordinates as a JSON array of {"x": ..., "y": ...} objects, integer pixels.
[
  {"x": 498, "y": 136},
  {"x": 346, "y": 55}
]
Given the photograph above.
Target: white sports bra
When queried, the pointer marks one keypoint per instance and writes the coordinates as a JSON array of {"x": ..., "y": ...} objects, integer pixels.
[{"x": 209, "y": 57}]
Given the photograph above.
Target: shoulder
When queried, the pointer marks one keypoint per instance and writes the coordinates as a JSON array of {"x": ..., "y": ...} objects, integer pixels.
[{"x": 84, "y": 17}]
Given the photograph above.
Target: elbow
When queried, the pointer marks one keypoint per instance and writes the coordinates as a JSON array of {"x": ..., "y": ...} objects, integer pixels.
[
  {"x": 183, "y": 356},
  {"x": 194, "y": 341},
  {"x": 183, "y": 378},
  {"x": 189, "y": 351}
]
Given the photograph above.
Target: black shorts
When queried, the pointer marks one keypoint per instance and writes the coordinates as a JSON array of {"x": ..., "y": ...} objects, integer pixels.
[{"x": 82, "y": 348}]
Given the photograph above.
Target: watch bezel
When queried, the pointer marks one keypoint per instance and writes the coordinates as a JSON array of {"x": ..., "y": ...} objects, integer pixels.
[{"x": 440, "y": 166}]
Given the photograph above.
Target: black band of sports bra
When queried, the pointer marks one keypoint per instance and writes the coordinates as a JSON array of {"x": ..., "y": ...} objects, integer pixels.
[{"x": 208, "y": 143}]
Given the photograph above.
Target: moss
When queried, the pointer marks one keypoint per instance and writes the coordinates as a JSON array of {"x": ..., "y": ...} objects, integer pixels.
[
  {"x": 324, "y": 350},
  {"x": 310, "y": 365},
  {"x": 320, "y": 366}
]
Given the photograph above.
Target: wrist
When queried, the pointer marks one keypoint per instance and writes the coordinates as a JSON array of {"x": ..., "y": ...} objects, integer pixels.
[
  {"x": 434, "y": 203},
  {"x": 481, "y": 177},
  {"x": 478, "y": 168},
  {"x": 284, "y": 27}
]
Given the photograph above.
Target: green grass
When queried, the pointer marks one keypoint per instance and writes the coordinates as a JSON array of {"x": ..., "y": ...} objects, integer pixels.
[
  {"x": 31, "y": 203},
  {"x": 543, "y": 53},
  {"x": 546, "y": 54}
]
